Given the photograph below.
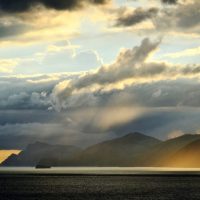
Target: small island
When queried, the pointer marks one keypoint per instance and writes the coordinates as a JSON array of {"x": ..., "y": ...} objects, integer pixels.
[{"x": 42, "y": 167}]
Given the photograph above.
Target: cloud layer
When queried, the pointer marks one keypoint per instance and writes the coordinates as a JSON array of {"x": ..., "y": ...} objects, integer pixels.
[
  {"x": 150, "y": 96},
  {"x": 23, "y": 6},
  {"x": 137, "y": 16},
  {"x": 163, "y": 19},
  {"x": 134, "y": 92},
  {"x": 130, "y": 69},
  {"x": 170, "y": 1}
]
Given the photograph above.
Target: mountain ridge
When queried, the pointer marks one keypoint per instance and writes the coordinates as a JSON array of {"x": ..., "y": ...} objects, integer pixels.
[
  {"x": 133, "y": 149},
  {"x": 34, "y": 152},
  {"x": 116, "y": 152}
]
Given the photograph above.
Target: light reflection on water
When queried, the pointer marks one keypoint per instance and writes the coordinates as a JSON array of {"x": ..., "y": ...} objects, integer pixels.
[{"x": 99, "y": 170}]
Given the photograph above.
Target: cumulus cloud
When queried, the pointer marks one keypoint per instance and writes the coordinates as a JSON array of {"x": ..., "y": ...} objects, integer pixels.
[
  {"x": 131, "y": 66},
  {"x": 124, "y": 67},
  {"x": 29, "y": 92}
]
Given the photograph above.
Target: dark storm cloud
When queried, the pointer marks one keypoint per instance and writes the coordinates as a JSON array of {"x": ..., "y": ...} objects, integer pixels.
[
  {"x": 191, "y": 17},
  {"x": 162, "y": 117},
  {"x": 167, "y": 93},
  {"x": 11, "y": 6},
  {"x": 18, "y": 136},
  {"x": 10, "y": 141},
  {"x": 182, "y": 17},
  {"x": 31, "y": 93},
  {"x": 170, "y": 1},
  {"x": 28, "y": 116},
  {"x": 12, "y": 30},
  {"x": 165, "y": 1},
  {"x": 137, "y": 16},
  {"x": 166, "y": 103},
  {"x": 161, "y": 122},
  {"x": 11, "y": 26}
]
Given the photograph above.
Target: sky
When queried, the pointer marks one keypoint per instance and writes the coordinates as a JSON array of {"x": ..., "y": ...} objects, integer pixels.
[{"x": 84, "y": 71}]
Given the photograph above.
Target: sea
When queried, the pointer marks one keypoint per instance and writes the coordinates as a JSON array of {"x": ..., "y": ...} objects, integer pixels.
[{"x": 74, "y": 183}]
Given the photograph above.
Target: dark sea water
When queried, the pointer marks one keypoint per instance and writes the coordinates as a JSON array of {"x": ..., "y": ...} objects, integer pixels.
[{"x": 59, "y": 186}]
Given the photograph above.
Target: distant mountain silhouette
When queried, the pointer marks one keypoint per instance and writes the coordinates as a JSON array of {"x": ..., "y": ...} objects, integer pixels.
[
  {"x": 134, "y": 149},
  {"x": 188, "y": 156},
  {"x": 122, "y": 151},
  {"x": 160, "y": 154},
  {"x": 37, "y": 151}
]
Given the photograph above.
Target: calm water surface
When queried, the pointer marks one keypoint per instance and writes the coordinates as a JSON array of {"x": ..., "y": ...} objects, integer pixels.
[
  {"x": 98, "y": 183},
  {"x": 99, "y": 170}
]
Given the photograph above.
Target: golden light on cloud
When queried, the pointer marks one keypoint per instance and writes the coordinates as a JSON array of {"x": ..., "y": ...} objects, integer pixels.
[
  {"x": 105, "y": 118},
  {"x": 49, "y": 25},
  {"x": 111, "y": 117},
  {"x": 6, "y": 153},
  {"x": 184, "y": 53},
  {"x": 8, "y": 65}
]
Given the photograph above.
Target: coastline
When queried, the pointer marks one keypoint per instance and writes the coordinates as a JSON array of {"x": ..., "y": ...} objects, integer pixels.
[{"x": 100, "y": 171}]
